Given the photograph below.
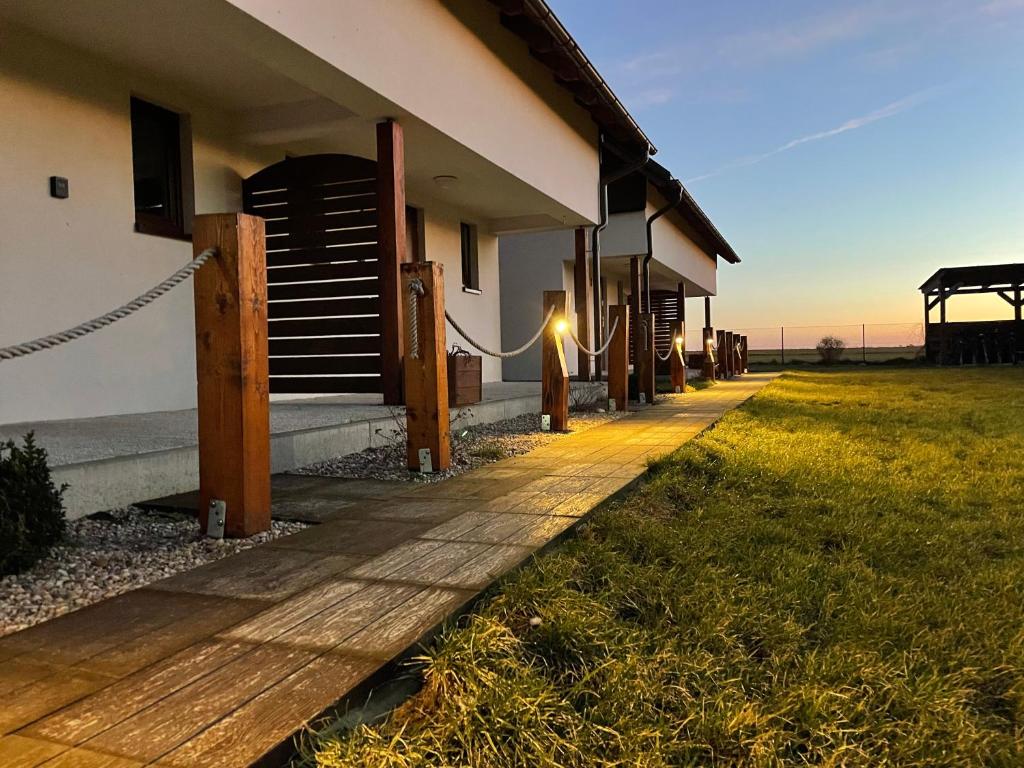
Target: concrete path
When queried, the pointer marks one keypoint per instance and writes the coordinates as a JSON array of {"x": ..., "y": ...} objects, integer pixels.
[{"x": 223, "y": 665}]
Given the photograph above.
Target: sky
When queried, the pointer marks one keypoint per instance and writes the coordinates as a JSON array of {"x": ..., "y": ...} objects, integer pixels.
[{"x": 846, "y": 150}]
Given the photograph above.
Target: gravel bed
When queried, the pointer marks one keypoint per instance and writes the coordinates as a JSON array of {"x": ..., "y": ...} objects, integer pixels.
[
  {"x": 472, "y": 447},
  {"x": 113, "y": 552}
]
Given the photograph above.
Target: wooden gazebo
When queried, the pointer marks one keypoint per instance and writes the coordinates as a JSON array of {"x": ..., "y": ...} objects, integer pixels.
[{"x": 978, "y": 342}]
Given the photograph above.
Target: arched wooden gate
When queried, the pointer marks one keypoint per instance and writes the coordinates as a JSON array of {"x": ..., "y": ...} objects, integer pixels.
[{"x": 323, "y": 280}]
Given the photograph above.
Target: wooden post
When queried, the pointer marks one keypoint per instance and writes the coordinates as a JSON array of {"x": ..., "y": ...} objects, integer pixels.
[
  {"x": 618, "y": 358},
  {"x": 677, "y": 358},
  {"x": 581, "y": 289},
  {"x": 643, "y": 356},
  {"x": 232, "y": 371},
  {"x": 634, "y": 308},
  {"x": 723, "y": 355},
  {"x": 554, "y": 374},
  {"x": 391, "y": 239},
  {"x": 1018, "y": 326},
  {"x": 426, "y": 370},
  {"x": 943, "y": 331},
  {"x": 745, "y": 353},
  {"x": 709, "y": 354}
]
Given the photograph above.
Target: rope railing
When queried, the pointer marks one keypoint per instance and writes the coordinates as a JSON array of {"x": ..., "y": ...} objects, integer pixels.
[
  {"x": 596, "y": 352},
  {"x": 89, "y": 326},
  {"x": 511, "y": 353},
  {"x": 665, "y": 357},
  {"x": 415, "y": 291}
]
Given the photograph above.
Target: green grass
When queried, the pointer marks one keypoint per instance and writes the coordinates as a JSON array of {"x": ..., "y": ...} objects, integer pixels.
[{"x": 832, "y": 576}]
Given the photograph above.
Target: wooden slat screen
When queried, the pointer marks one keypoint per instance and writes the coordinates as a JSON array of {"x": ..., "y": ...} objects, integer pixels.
[
  {"x": 323, "y": 284},
  {"x": 665, "y": 306}
]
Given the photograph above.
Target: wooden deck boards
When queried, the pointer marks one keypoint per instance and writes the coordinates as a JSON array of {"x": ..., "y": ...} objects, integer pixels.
[{"x": 224, "y": 664}]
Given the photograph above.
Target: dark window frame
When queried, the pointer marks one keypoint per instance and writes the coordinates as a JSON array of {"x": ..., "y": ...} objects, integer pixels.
[
  {"x": 470, "y": 258},
  {"x": 169, "y": 129}
]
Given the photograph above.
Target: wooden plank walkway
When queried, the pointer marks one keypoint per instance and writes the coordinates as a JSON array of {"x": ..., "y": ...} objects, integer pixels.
[{"x": 223, "y": 665}]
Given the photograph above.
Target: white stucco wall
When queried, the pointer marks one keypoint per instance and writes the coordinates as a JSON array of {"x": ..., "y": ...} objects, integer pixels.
[
  {"x": 64, "y": 261},
  {"x": 478, "y": 313},
  {"x": 677, "y": 252},
  {"x": 532, "y": 263},
  {"x": 430, "y": 58},
  {"x": 626, "y": 235}
]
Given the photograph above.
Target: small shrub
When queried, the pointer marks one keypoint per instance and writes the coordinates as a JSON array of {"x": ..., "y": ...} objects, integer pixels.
[
  {"x": 488, "y": 452},
  {"x": 831, "y": 349},
  {"x": 586, "y": 398},
  {"x": 31, "y": 507}
]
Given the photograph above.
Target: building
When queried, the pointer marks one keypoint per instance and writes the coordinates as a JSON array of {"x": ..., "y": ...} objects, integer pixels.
[
  {"x": 651, "y": 219},
  {"x": 166, "y": 113},
  {"x": 366, "y": 134}
]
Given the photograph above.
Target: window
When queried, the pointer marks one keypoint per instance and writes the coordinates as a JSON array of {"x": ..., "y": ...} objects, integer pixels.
[
  {"x": 470, "y": 260},
  {"x": 157, "y": 171}
]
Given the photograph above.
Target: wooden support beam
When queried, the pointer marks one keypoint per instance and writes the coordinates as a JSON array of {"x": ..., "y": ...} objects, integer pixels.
[
  {"x": 1008, "y": 299},
  {"x": 554, "y": 374},
  {"x": 618, "y": 358},
  {"x": 391, "y": 239},
  {"x": 707, "y": 312},
  {"x": 232, "y": 371},
  {"x": 643, "y": 357},
  {"x": 709, "y": 353},
  {"x": 426, "y": 369},
  {"x": 677, "y": 358},
  {"x": 582, "y": 297}
]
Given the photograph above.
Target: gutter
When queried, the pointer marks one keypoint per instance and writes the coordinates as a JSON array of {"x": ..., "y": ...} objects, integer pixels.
[
  {"x": 646, "y": 291},
  {"x": 595, "y": 238}
]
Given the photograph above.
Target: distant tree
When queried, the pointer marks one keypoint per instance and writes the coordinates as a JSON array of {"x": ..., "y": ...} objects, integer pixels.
[{"x": 831, "y": 349}]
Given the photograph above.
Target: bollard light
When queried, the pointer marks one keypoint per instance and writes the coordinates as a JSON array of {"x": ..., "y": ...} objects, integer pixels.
[
  {"x": 561, "y": 326},
  {"x": 679, "y": 341}
]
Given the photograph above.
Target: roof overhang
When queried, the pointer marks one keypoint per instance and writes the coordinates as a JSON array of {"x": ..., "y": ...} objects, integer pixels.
[
  {"x": 698, "y": 226},
  {"x": 983, "y": 278},
  {"x": 551, "y": 44}
]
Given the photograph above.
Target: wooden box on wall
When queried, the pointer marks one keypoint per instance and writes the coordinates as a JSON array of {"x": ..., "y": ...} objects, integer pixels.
[{"x": 465, "y": 378}]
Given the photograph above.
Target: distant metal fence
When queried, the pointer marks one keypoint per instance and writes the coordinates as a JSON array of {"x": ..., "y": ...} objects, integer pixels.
[{"x": 863, "y": 343}]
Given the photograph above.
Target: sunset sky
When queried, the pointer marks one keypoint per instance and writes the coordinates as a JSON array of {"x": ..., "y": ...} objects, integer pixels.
[{"x": 846, "y": 150}]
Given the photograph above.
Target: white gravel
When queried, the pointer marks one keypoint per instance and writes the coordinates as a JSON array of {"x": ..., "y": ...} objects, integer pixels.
[
  {"x": 110, "y": 553},
  {"x": 472, "y": 447}
]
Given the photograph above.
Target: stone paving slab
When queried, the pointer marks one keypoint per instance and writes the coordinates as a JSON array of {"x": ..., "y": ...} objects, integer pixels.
[{"x": 222, "y": 665}]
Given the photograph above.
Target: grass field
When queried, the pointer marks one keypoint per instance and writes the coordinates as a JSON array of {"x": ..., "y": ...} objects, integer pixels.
[{"x": 833, "y": 576}]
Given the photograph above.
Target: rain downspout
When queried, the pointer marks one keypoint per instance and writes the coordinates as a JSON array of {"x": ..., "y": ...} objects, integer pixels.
[
  {"x": 646, "y": 292},
  {"x": 595, "y": 239}
]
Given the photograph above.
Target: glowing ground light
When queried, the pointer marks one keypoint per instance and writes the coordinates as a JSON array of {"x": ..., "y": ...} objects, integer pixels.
[{"x": 561, "y": 326}]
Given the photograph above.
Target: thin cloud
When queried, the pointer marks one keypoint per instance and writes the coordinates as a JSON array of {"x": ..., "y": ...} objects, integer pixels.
[
  {"x": 889, "y": 110},
  {"x": 1001, "y": 7},
  {"x": 651, "y": 97}
]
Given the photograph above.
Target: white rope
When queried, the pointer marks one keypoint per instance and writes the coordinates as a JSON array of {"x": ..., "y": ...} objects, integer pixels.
[
  {"x": 658, "y": 354},
  {"x": 83, "y": 329},
  {"x": 595, "y": 353},
  {"x": 415, "y": 291},
  {"x": 512, "y": 353}
]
